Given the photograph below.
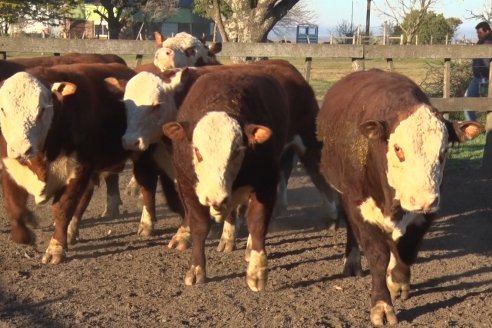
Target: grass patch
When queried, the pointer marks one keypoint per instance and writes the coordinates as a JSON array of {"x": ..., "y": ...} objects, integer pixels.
[{"x": 467, "y": 156}]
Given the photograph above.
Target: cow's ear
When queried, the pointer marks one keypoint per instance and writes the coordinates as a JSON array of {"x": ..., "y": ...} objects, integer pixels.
[
  {"x": 191, "y": 51},
  {"x": 215, "y": 48},
  {"x": 374, "y": 129},
  {"x": 174, "y": 131},
  {"x": 463, "y": 131},
  {"x": 116, "y": 86},
  {"x": 159, "y": 39},
  {"x": 257, "y": 134},
  {"x": 64, "y": 88}
]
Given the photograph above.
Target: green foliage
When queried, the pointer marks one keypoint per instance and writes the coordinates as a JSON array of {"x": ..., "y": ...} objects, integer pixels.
[
  {"x": 204, "y": 8},
  {"x": 433, "y": 25}
]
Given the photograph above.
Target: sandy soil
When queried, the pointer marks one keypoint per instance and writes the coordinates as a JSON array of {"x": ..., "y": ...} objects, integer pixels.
[{"x": 113, "y": 279}]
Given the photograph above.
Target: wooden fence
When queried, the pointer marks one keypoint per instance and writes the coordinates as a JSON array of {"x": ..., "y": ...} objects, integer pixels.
[{"x": 308, "y": 51}]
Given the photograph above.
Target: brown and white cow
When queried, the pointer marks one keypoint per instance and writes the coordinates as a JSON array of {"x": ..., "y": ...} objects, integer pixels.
[
  {"x": 61, "y": 127},
  {"x": 184, "y": 50},
  {"x": 384, "y": 150},
  {"x": 228, "y": 141},
  {"x": 11, "y": 66},
  {"x": 152, "y": 154},
  {"x": 303, "y": 109}
]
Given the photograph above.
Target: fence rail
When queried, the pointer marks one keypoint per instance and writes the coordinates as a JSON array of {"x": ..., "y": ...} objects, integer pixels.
[{"x": 309, "y": 51}]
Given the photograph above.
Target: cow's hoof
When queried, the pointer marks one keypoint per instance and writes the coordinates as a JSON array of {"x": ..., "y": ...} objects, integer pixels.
[
  {"x": 352, "y": 266},
  {"x": 398, "y": 289},
  {"x": 111, "y": 212},
  {"x": 195, "y": 275},
  {"x": 382, "y": 311},
  {"x": 55, "y": 253},
  {"x": 73, "y": 231},
  {"x": 145, "y": 230},
  {"x": 257, "y": 273},
  {"x": 22, "y": 235},
  {"x": 226, "y": 245},
  {"x": 181, "y": 239}
]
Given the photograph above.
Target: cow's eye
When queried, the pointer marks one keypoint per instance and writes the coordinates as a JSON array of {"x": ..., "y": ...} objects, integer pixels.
[
  {"x": 198, "y": 155},
  {"x": 399, "y": 153},
  {"x": 3, "y": 112}
]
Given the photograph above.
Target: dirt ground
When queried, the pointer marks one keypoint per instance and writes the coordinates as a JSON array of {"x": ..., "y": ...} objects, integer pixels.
[{"x": 113, "y": 279}]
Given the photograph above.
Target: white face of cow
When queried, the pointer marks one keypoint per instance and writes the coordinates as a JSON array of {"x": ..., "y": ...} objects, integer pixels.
[
  {"x": 149, "y": 103},
  {"x": 26, "y": 114},
  {"x": 416, "y": 155},
  {"x": 182, "y": 50},
  {"x": 218, "y": 152}
]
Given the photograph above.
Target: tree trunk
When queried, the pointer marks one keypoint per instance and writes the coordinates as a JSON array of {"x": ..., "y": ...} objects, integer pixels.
[{"x": 251, "y": 21}]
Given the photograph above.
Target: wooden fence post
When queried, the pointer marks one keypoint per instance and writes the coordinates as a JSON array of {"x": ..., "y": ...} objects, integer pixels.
[
  {"x": 138, "y": 60},
  {"x": 358, "y": 64},
  {"x": 389, "y": 62},
  {"x": 446, "y": 87},
  {"x": 487, "y": 151},
  {"x": 308, "y": 61}
]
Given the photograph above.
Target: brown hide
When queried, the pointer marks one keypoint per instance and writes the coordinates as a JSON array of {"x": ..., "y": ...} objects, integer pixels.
[
  {"x": 90, "y": 122},
  {"x": 359, "y": 97},
  {"x": 71, "y": 58},
  {"x": 8, "y": 69}
]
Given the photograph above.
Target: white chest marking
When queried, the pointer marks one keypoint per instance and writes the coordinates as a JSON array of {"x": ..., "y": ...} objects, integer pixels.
[
  {"x": 372, "y": 213},
  {"x": 59, "y": 174}
]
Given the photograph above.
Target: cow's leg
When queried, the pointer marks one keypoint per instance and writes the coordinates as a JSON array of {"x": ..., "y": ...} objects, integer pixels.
[
  {"x": 352, "y": 265},
  {"x": 200, "y": 227},
  {"x": 132, "y": 189},
  {"x": 15, "y": 199},
  {"x": 373, "y": 241},
  {"x": 227, "y": 241},
  {"x": 182, "y": 237},
  {"x": 113, "y": 198},
  {"x": 403, "y": 254},
  {"x": 73, "y": 227},
  {"x": 286, "y": 165},
  {"x": 258, "y": 215},
  {"x": 64, "y": 206},
  {"x": 146, "y": 176}
]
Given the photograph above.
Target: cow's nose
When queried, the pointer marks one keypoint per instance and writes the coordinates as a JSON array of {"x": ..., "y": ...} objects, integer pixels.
[
  {"x": 217, "y": 205},
  {"x": 431, "y": 205}
]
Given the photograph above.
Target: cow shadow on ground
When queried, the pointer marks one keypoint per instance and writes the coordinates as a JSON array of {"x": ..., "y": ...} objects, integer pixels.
[{"x": 33, "y": 312}]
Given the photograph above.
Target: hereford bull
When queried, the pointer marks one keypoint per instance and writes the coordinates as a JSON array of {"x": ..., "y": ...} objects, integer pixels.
[
  {"x": 11, "y": 66},
  {"x": 303, "y": 109},
  {"x": 227, "y": 141},
  {"x": 384, "y": 150},
  {"x": 61, "y": 127}
]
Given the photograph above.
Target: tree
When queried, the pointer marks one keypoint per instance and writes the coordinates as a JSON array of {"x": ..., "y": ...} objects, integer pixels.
[
  {"x": 345, "y": 29},
  {"x": 433, "y": 27},
  {"x": 49, "y": 11},
  {"x": 119, "y": 13},
  {"x": 299, "y": 14},
  {"x": 484, "y": 15},
  {"x": 398, "y": 10},
  {"x": 245, "y": 21}
]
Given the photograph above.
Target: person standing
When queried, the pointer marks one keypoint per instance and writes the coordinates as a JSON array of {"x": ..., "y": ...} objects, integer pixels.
[{"x": 480, "y": 67}]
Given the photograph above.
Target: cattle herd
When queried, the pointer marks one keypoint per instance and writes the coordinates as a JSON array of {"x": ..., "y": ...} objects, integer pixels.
[{"x": 222, "y": 139}]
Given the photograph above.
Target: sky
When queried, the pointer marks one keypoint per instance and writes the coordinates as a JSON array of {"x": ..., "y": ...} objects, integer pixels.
[{"x": 332, "y": 12}]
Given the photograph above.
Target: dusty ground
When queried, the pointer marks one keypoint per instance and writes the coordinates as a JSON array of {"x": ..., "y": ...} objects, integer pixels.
[{"x": 113, "y": 279}]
